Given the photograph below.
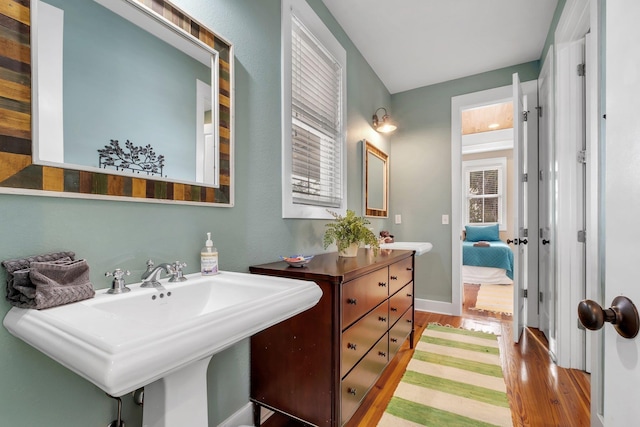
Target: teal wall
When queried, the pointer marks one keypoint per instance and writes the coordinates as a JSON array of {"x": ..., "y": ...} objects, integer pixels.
[
  {"x": 109, "y": 234},
  {"x": 421, "y": 170}
]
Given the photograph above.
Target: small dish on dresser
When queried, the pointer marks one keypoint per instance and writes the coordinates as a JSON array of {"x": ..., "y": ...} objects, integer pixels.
[{"x": 297, "y": 260}]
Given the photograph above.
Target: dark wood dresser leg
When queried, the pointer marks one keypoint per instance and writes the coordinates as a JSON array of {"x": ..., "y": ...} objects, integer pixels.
[{"x": 411, "y": 337}]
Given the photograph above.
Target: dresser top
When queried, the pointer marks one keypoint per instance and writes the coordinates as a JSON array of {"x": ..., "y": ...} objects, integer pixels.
[{"x": 331, "y": 267}]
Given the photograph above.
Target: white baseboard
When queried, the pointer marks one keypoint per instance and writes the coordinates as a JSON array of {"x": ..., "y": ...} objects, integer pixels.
[
  {"x": 434, "y": 306},
  {"x": 242, "y": 417}
]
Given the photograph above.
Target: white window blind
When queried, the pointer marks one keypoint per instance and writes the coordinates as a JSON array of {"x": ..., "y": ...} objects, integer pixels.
[
  {"x": 316, "y": 131},
  {"x": 484, "y": 196},
  {"x": 485, "y": 191}
]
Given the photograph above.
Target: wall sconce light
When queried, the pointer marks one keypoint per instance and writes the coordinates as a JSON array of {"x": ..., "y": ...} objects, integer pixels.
[{"x": 385, "y": 125}]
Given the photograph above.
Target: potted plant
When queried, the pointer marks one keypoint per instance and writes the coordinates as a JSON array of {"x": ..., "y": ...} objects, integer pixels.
[{"x": 348, "y": 232}]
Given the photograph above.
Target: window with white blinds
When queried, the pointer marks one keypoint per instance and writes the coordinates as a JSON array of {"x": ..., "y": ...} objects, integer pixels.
[
  {"x": 485, "y": 183},
  {"x": 314, "y": 177}
]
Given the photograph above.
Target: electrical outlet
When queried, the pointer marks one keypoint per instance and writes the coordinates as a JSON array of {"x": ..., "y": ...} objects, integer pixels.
[
  {"x": 398, "y": 219},
  {"x": 445, "y": 219}
]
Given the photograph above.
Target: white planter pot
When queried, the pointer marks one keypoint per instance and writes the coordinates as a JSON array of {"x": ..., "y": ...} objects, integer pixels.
[{"x": 350, "y": 251}]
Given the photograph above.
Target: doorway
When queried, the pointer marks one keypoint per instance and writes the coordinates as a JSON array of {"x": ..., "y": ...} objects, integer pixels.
[
  {"x": 488, "y": 204},
  {"x": 476, "y": 100}
]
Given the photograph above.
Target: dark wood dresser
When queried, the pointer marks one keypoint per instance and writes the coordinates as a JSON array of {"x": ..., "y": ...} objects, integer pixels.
[{"x": 317, "y": 366}]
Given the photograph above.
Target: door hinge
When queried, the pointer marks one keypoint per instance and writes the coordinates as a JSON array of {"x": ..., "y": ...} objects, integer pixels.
[
  {"x": 541, "y": 175},
  {"x": 525, "y": 116},
  {"x": 525, "y": 177},
  {"x": 525, "y": 293},
  {"x": 539, "y": 108},
  {"x": 582, "y": 156},
  {"x": 582, "y": 69},
  {"x": 540, "y": 297},
  {"x": 582, "y": 236}
]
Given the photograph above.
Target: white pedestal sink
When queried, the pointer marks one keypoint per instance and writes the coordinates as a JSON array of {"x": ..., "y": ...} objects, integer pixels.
[
  {"x": 421, "y": 248},
  {"x": 178, "y": 399},
  {"x": 161, "y": 339}
]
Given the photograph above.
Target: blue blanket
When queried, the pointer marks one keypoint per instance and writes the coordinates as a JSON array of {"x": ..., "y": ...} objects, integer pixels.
[{"x": 498, "y": 255}]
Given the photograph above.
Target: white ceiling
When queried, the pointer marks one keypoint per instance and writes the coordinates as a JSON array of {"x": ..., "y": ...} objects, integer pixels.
[{"x": 415, "y": 43}]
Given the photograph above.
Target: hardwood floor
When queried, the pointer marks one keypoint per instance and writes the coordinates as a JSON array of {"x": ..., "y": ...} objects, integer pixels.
[{"x": 540, "y": 393}]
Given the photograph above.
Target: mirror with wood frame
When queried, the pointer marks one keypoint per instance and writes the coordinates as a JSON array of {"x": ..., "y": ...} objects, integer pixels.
[
  {"x": 140, "y": 147},
  {"x": 376, "y": 181}
]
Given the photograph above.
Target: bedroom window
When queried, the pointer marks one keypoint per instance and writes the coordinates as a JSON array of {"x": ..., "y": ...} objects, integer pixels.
[
  {"x": 313, "y": 111},
  {"x": 485, "y": 182}
]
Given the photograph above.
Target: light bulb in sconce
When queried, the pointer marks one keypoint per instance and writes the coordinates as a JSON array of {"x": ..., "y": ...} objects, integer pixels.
[{"x": 384, "y": 125}]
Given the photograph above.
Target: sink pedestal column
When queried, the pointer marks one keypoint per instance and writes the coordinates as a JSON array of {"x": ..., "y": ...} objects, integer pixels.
[{"x": 179, "y": 399}]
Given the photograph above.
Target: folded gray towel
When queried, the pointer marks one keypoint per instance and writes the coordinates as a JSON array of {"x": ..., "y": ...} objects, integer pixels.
[
  {"x": 57, "y": 279},
  {"x": 22, "y": 263},
  {"x": 60, "y": 282}
]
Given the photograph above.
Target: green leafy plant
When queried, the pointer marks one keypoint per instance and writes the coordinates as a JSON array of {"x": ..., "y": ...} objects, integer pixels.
[{"x": 345, "y": 230}]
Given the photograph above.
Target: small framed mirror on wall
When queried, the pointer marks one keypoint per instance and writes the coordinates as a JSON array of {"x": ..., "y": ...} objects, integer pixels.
[{"x": 376, "y": 181}]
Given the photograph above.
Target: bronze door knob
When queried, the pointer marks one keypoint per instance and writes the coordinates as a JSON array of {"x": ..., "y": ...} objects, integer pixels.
[{"x": 623, "y": 315}]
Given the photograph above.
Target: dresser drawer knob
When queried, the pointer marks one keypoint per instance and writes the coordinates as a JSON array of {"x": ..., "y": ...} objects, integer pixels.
[
  {"x": 382, "y": 284},
  {"x": 351, "y": 390},
  {"x": 352, "y": 301},
  {"x": 382, "y": 319},
  {"x": 394, "y": 339},
  {"x": 382, "y": 354},
  {"x": 409, "y": 321},
  {"x": 394, "y": 309},
  {"x": 351, "y": 346},
  {"x": 409, "y": 268},
  {"x": 394, "y": 277},
  {"x": 409, "y": 295}
]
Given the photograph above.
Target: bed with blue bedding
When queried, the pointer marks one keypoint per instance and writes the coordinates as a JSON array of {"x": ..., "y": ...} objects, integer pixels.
[{"x": 486, "y": 258}]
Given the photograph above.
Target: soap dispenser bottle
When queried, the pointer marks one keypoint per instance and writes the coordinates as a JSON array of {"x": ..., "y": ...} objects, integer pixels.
[{"x": 209, "y": 258}]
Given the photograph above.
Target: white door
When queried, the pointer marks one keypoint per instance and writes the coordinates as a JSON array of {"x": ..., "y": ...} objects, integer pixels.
[
  {"x": 546, "y": 268},
  {"x": 520, "y": 239},
  {"x": 622, "y": 207}
]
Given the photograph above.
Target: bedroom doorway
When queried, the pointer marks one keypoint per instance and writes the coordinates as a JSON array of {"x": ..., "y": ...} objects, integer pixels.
[
  {"x": 527, "y": 209},
  {"x": 488, "y": 203}
]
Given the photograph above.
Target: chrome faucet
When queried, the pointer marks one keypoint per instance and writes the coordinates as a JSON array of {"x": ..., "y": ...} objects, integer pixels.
[{"x": 151, "y": 276}]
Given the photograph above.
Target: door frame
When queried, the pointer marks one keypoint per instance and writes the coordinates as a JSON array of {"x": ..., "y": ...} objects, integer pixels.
[
  {"x": 578, "y": 18},
  {"x": 570, "y": 128},
  {"x": 473, "y": 100},
  {"x": 546, "y": 273}
]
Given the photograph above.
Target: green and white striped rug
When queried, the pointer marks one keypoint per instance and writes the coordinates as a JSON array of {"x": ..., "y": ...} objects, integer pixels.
[{"x": 454, "y": 379}]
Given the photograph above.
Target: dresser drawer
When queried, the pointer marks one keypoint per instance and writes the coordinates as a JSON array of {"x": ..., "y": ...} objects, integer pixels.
[
  {"x": 362, "y": 335},
  {"x": 400, "y": 273},
  {"x": 400, "y": 331},
  {"x": 356, "y": 385},
  {"x": 362, "y": 294},
  {"x": 399, "y": 302}
]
